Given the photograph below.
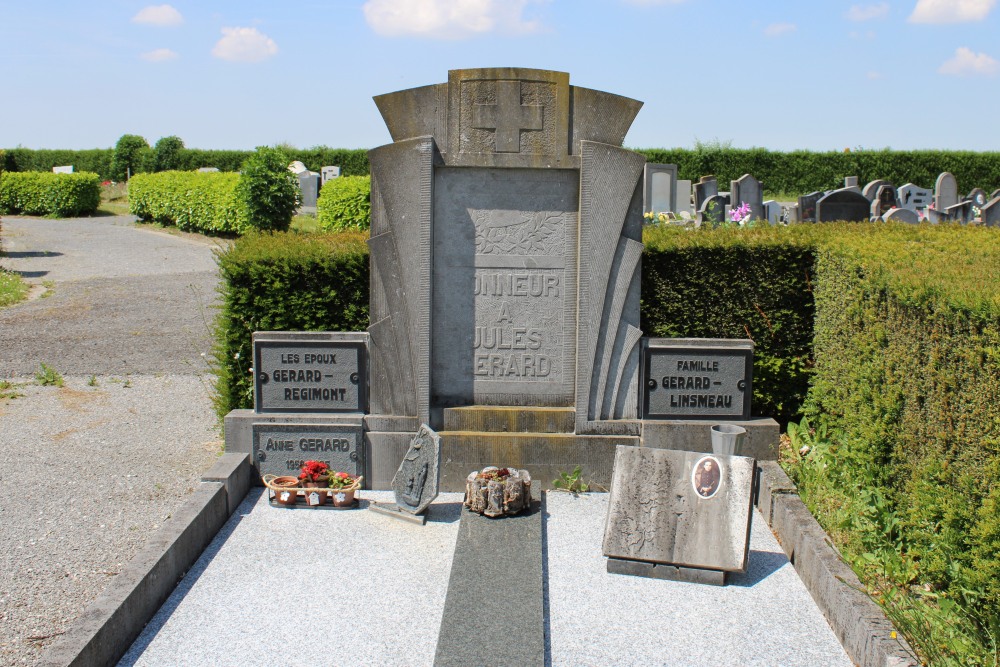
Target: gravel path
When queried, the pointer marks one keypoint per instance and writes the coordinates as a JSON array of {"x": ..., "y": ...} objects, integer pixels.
[{"x": 89, "y": 469}]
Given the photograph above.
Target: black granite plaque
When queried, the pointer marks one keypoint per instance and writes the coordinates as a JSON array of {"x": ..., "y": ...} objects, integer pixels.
[
  {"x": 697, "y": 378},
  {"x": 310, "y": 372},
  {"x": 281, "y": 449}
]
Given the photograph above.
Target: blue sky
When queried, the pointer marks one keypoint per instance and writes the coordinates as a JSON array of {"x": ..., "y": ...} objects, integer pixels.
[{"x": 810, "y": 74}]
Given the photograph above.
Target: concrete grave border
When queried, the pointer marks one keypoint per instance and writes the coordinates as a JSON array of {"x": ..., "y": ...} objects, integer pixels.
[{"x": 109, "y": 626}]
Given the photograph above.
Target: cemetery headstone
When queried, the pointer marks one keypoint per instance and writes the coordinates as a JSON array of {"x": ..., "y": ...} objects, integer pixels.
[
  {"x": 792, "y": 214},
  {"x": 679, "y": 515},
  {"x": 871, "y": 189},
  {"x": 962, "y": 212},
  {"x": 697, "y": 378},
  {"x": 707, "y": 186},
  {"x": 327, "y": 173},
  {"x": 296, "y": 167},
  {"x": 807, "y": 206},
  {"x": 843, "y": 205},
  {"x": 684, "y": 197},
  {"x": 748, "y": 189},
  {"x": 913, "y": 198},
  {"x": 713, "y": 209},
  {"x": 990, "y": 213},
  {"x": 772, "y": 211},
  {"x": 945, "y": 192},
  {"x": 909, "y": 216},
  {"x": 418, "y": 478},
  {"x": 659, "y": 188},
  {"x": 68, "y": 169},
  {"x": 993, "y": 195},
  {"x": 309, "y": 372},
  {"x": 309, "y": 184},
  {"x": 850, "y": 181},
  {"x": 934, "y": 216},
  {"x": 208, "y": 170},
  {"x": 978, "y": 197},
  {"x": 885, "y": 199}
]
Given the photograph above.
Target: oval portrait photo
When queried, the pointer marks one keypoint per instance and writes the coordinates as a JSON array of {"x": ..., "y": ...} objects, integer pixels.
[{"x": 706, "y": 476}]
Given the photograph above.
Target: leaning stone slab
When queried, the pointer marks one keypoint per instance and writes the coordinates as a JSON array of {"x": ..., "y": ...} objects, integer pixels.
[
  {"x": 680, "y": 508},
  {"x": 417, "y": 481}
]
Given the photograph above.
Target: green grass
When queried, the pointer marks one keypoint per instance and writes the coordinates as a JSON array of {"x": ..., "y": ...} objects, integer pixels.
[
  {"x": 305, "y": 223},
  {"x": 8, "y": 390},
  {"x": 49, "y": 377},
  {"x": 13, "y": 289}
]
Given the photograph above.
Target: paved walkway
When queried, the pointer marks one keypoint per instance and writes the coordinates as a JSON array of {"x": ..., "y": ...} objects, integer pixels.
[
  {"x": 90, "y": 469},
  {"x": 364, "y": 589}
]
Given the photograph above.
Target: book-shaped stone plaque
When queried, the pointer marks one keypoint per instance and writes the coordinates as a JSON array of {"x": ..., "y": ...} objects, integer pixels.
[
  {"x": 680, "y": 508},
  {"x": 697, "y": 378}
]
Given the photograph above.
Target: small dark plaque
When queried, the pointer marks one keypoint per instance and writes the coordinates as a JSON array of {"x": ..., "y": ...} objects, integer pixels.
[
  {"x": 697, "y": 378},
  {"x": 280, "y": 449},
  {"x": 310, "y": 372}
]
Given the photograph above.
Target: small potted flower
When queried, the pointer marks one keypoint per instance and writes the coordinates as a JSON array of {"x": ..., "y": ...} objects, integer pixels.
[
  {"x": 313, "y": 476},
  {"x": 342, "y": 488},
  {"x": 285, "y": 488}
]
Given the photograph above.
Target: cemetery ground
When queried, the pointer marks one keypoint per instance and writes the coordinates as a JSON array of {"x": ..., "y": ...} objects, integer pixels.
[{"x": 98, "y": 450}]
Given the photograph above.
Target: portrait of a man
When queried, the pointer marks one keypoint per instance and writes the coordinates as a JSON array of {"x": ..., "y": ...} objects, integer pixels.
[{"x": 706, "y": 476}]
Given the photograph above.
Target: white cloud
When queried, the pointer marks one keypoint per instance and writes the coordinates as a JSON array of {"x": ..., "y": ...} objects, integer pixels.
[
  {"x": 159, "y": 55},
  {"x": 967, "y": 63},
  {"x": 951, "y": 11},
  {"x": 867, "y": 12},
  {"x": 447, "y": 19},
  {"x": 162, "y": 16},
  {"x": 776, "y": 29},
  {"x": 244, "y": 45}
]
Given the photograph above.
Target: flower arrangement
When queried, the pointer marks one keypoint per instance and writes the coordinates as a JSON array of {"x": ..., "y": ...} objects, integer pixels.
[
  {"x": 341, "y": 480},
  {"x": 654, "y": 218},
  {"x": 314, "y": 472},
  {"x": 741, "y": 214},
  {"x": 498, "y": 474}
]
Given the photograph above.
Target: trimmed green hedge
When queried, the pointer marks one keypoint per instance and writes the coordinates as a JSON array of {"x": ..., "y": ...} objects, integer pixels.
[
  {"x": 733, "y": 283},
  {"x": 284, "y": 282},
  {"x": 791, "y": 172},
  {"x": 345, "y": 203},
  {"x": 193, "y": 201},
  {"x": 907, "y": 353},
  {"x": 39, "y": 193}
]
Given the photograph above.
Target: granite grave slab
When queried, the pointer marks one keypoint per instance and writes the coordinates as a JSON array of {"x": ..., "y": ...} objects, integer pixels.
[{"x": 843, "y": 205}]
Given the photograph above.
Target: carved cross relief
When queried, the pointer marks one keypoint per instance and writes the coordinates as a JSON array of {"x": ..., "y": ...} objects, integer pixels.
[{"x": 508, "y": 117}]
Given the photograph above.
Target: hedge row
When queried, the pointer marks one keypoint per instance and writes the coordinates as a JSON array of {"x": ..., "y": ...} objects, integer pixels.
[
  {"x": 193, "y": 201},
  {"x": 38, "y": 193},
  {"x": 284, "y": 282},
  {"x": 791, "y": 172},
  {"x": 353, "y": 162},
  {"x": 345, "y": 203},
  {"x": 907, "y": 351},
  {"x": 806, "y": 171}
]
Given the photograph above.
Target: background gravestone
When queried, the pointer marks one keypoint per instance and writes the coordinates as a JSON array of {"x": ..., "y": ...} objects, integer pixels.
[
  {"x": 990, "y": 214},
  {"x": 912, "y": 197},
  {"x": 905, "y": 215},
  {"x": 684, "y": 197},
  {"x": 328, "y": 173},
  {"x": 660, "y": 188},
  {"x": 945, "y": 192},
  {"x": 707, "y": 186},
  {"x": 885, "y": 199},
  {"x": 309, "y": 185},
  {"x": 713, "y": 209},
  {"x": 843, "y": 205},
  {"x": 978, "y": 197},
  {"x": 772, "y": 211},
  {"x": 871, "y": 189},
  {"x": 670, "y": 507},
  {"x": 748, "y": 189},
  {"x": 807, "y": 206}
]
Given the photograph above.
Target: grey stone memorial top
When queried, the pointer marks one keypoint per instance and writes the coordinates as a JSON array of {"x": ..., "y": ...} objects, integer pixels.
[
  {"x": 871, "y": 189},
  {"x": 417, "y": 481},
  {"x": 843, "y": 205},
  {"x": 660, "y": 188},
  {"x": 850, "y": 181},
  {"x": 906, "y": 215},
  {"x": 807, "y": 206},
  {"x": 680, "y": 508},
  {"x": 282, "y": 448},
  {"x": 713, "y": 209},
  {"x": 309, "y": 185},
  {"x": 945, "y": 191},
  {"x": 67, "y": 169},
  {"x": 684, "y": 197},
  {"x": 749, "y": 190},
  {"x": 496, "y": 183},
  {"x": 697, "y": 378},
  {"x": 990, "y": 214},
  {"x": 978, "y": 197},
  {"x": 329, "y": 173},
  {"x": 310, "y": 372},
  {"x": 707, "y": 186},
  {"x": 913, "y": 197}
]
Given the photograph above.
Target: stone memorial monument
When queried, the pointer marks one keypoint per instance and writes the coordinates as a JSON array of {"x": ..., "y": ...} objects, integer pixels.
[
  {"x": 679, "y": 515},
  {"x": 417, "y": 479},
  {"x": 660, "y": 188},
  {"x": 496, "y": 184}
]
